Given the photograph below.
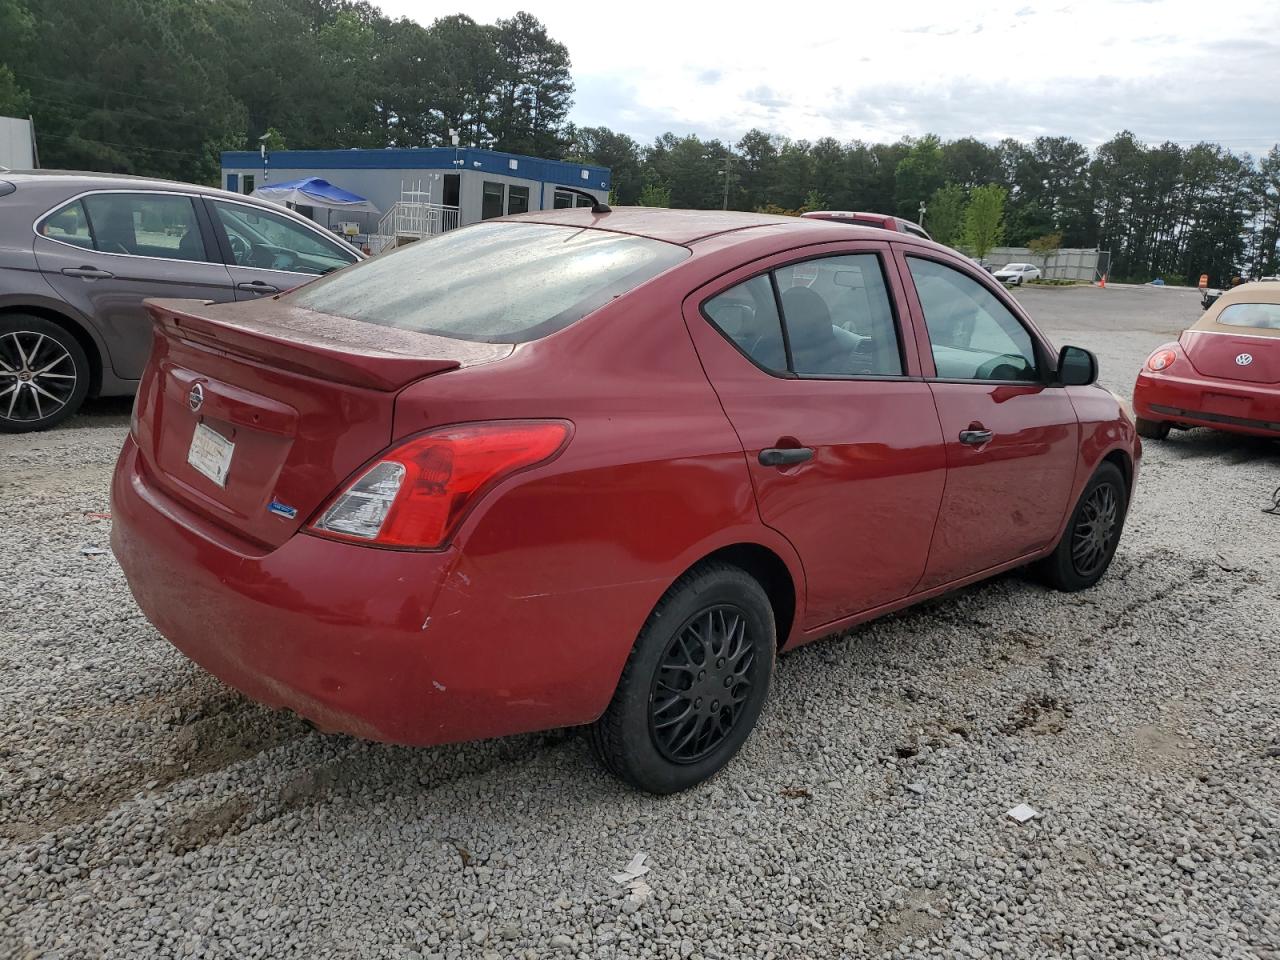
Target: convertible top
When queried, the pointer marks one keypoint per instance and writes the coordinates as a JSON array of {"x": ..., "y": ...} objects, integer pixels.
[{"x": 1258, "y": 292}]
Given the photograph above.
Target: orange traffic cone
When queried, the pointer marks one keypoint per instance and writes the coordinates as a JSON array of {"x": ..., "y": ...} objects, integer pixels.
[{"x": 1103, "y": 282}]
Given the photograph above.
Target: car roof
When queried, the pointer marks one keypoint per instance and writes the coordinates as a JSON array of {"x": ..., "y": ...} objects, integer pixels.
[
  {"x": 690, "y": 226},
  {"x": 88, "y": 180}
]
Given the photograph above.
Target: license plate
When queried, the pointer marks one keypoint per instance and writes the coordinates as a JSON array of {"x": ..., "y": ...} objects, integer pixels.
[
  {"x": 1226, "y": 405},
  {"x": 210, "y": 454}
]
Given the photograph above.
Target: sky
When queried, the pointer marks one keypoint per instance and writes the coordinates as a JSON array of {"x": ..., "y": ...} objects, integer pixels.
[{"x": 1166, "y": 69}]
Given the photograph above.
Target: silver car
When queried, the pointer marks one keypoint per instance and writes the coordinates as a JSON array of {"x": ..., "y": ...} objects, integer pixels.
[{"x": 79, "y": 252}]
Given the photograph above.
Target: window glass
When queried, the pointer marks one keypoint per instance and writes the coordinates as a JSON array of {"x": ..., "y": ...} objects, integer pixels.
[
  {"x": 270, "y": 241},
  {"x": 581, "y": 201},
  {"x": 491, "y": 205},
  {"x": 70, "y": 225},
  {"x": 505, "y": 282},
  {"x": 973, "y": 335},
  {"x": 1265, "y": 316},
  {"x": 748, "y": 315},
  {"x": 517, "y": 200},
  {"x": 145, "y": 225},
  {"x": 838, "y": 317},
  {"x": 248, "y": 183},
  {"x": 562, "y": 199}
]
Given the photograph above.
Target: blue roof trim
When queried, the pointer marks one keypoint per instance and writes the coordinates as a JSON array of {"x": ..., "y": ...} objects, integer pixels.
[{"x": 430, "y": 158}]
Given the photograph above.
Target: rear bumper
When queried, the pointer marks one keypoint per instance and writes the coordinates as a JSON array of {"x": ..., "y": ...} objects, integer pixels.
[
  {"x": 1252, "y": 409},
  {"x": 386, "y": 645}
]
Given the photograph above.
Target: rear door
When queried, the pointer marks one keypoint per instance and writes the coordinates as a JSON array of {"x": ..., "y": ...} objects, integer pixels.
[
  {"x": 268, "y": 253},
  {"x": 1011, "y": 439},
  {"x": 841, "y": 437},
  {"x": 107, "y": 251}
]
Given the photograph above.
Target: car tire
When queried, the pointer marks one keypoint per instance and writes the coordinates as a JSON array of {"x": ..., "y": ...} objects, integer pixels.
[
  {"x": 1151, "y": 429},
  {"x": 711, "y": 636},
  {"x": 44, "y": 373},
  {"x": 1093, "y": 532}
]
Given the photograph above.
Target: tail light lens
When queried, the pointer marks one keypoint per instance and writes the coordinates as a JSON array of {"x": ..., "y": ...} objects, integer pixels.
[
  {"x": 1161, "y": 360},
  {"x": 418, "y": 491}
]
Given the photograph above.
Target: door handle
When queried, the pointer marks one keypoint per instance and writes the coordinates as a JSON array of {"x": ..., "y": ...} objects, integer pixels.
[
  {"x": 784, "y": 456},
  {"x": 975, "y": 437},
  {"x": 257, "y": 286},
  {"x": 87, "y": 273}
]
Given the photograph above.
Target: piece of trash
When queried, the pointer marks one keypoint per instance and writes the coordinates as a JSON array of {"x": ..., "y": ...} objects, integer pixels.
[
  {"x": 916, "y": 788},
  {"x": 92, "y": 551},
  {"x": 794, "y": 793},
  {"x": 1272, "y": 751},
  {"x": 1274, "y": 509},
  {"x": 95, "y": 515},
  {"x": 633, "y": 870},
  {"x": 1023, "y": 812}
]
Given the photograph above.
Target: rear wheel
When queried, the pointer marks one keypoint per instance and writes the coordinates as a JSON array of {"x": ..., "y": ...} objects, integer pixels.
[
  {"x": 1092, "y": 535},
  {"x": 44, "y": 374},
  {"x": 1151, "y": 429},
  {"x": 694, "y": 685}
]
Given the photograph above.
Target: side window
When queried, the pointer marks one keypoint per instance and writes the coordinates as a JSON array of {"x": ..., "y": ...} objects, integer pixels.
[
  {"x": 145, "y": 225},
  {"x": 69, "y": 224},
  {"x": 838, "y": 317},
  {"x": 748, "y": 316},
  {"x": 270, "y": 241},
  {"x": 973, "y": 335},
  {"x": 517, "y": 200},
  {"x": 491, "y": 202}
]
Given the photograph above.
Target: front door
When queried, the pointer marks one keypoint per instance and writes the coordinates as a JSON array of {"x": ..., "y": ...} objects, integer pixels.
[
  {"x": 269, "y": 253},
  {"x": 841, "y": 436},
  {"x": 106, "y": 252},
  {"x": 1011, "y": 439}
]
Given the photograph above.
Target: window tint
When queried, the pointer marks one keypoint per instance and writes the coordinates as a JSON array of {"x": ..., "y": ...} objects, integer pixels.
[
  {"x": 70, "y": 225},
  {"x": 142, "y": 225},
  {"x": 1264, "y": 316},
  {"x": 748, "y": 315},
  {"x": 973, "y": 335},
  {"x": 517, "y": 200},
  {"x": 838, "y": 318},
  {"x": 493, "y": 282},
  {"x": 270, "y": 241},
  {"x": 491, "y": 204}
]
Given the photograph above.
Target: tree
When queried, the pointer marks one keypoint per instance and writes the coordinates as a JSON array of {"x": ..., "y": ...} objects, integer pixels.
[
  {"x": 984, "y": 219},
  {"x": 533, "y": 88},
  {"x": 655, "y": 193},
  {"x": 617, "y": 151},
  {"x": 1046, "y": 247},
  {"x": 945, "y": 218},
  {"x": 918, "y": 175}
]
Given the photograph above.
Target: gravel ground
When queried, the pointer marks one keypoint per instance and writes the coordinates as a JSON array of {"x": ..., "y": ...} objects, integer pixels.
[{"x": 148, "y": 811}]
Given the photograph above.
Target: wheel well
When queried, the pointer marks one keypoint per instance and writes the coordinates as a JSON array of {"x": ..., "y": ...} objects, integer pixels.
[
  {"x": 772, "y": 574},
  {"x": 66, "y": 323},
  {"x": 1121, "y": 460}
]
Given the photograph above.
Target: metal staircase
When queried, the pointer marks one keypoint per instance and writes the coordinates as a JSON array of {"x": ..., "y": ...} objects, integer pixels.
[{"x": 412, "y": 218}]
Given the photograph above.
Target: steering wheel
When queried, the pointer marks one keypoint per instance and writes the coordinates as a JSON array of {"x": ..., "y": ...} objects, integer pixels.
[
  {"x": 240, "y": 248},
  {"x": 1007, "y": 366}
]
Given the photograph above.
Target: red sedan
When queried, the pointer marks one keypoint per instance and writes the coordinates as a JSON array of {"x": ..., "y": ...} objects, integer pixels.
[
  {"x": 1224, "y": 372},
  {"x": 598, "y": 467}
]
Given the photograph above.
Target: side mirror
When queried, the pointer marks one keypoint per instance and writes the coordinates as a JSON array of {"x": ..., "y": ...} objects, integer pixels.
[{"x": 1077, "y": 367}]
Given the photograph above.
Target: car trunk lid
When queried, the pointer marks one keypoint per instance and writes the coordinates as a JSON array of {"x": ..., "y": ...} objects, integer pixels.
[
  {"x": 1244, "y": 357},
  {"x": 288, "y": 401}
]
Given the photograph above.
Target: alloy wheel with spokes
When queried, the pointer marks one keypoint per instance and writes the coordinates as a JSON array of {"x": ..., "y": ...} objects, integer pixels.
[
  {"x": 38, "y": 376},
  {"x": 701, "y": 683},
  {"x": 1094, "y": 530}
]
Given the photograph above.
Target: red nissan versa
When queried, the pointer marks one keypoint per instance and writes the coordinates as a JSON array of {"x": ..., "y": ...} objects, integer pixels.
[
  {"x": 593, "y": 467},
  {"x": 1223, "y": 372}
]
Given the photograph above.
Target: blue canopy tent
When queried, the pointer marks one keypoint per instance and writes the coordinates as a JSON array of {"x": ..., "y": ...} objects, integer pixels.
[{"x": 315, "y": 192}]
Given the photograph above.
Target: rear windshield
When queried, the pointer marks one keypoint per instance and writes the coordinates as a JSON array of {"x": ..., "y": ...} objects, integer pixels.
[
  {"x": 1263, "y": 316},
  {"x": 493, "y": 282}
]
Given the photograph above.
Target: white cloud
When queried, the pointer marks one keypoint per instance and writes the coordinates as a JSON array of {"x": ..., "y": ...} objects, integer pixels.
[{"x": 1167, "y": 69}]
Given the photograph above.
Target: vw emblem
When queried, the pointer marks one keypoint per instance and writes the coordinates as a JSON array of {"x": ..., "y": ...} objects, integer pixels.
[
  {"x": 1244, "y": 359},
  {"x": 195, "y": 399}
]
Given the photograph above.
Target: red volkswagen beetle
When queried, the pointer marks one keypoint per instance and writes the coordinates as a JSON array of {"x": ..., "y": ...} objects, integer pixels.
[
  {"x": 1224, "y": 372},
  {"x": 598, "y": 467}
]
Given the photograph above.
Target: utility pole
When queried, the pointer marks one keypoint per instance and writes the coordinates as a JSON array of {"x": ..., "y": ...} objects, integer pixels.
[
  {"x": 262, "y": 151},
  {"x": 727, "y": 172},
  {"x": 923, "y": 208}
]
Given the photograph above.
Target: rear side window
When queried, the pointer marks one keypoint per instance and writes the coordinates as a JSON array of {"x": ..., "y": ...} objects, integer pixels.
[
  {"x": 493, "y": 282},
  {"x": 133, "y": 224},
  {"x": 1261, "y": 316},
  {"x": 70, "y": 224},
  {"x": 836, "y": 313}
]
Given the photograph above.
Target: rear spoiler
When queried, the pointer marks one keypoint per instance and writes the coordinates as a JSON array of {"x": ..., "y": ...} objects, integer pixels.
[{"x": 318, "y": 345}]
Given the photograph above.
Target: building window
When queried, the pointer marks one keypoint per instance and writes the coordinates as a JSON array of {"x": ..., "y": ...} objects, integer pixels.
[
  {"x": 517, "y": 200},
  {"x": 451, "y": 181},
  {"x": 491, "y": 205},
  {"x": 249, "y": 183},
  {"x": 563, "y": 199}
]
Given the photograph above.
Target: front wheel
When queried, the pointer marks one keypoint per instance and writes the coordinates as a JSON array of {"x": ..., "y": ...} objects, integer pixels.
[
  {"x": 1151, "y": 429},
  {"x": 1092, "y": 535},
  {"x": 694, "y": 685},
  {"x": 44, "y": 374}
]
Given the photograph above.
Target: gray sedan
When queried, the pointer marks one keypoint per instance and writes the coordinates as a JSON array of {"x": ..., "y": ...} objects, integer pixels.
[{"x": 79, "y": 252}]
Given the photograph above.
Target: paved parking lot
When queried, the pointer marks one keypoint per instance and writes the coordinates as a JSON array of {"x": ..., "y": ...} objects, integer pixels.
[{"x": 146, "y": 810}]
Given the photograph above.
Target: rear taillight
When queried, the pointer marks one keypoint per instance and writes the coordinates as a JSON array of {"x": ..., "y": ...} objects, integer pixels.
[
  {"x": 1161, "y": 360},
  {"x": 416, "y": 493}
]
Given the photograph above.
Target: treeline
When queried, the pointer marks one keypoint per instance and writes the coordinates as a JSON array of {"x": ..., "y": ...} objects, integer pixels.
[{"x": 161, "y": 87}]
